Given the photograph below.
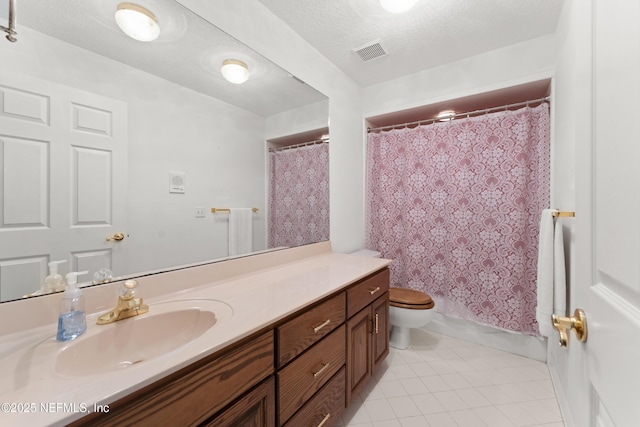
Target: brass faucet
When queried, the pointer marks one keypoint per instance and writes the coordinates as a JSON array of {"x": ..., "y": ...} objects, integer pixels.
[{"x": 128, "y": 305}]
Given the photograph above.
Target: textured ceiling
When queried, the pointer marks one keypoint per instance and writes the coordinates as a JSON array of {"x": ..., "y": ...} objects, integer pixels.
[
  {"x": 188, "y": 52},
  {"x": 433, "y": 33},
  {"x": 189, "y": 49}
]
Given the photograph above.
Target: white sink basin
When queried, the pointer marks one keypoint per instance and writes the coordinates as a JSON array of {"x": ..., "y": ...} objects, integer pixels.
[{"x": 129, "y": 342}]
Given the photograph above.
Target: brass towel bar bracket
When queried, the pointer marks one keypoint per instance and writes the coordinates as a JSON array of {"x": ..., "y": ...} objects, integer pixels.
[{"x": 562, "y": 214}]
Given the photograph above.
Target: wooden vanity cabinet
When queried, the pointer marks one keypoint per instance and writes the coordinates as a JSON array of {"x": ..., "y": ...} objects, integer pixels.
[{"x": 299, "y": 371}]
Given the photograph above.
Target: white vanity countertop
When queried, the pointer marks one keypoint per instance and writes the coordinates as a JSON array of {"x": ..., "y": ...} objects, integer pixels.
[{"x": 34, "y": 393}]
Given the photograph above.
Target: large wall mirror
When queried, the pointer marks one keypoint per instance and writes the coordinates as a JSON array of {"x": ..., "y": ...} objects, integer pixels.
[{"x": 102, "y": 134}]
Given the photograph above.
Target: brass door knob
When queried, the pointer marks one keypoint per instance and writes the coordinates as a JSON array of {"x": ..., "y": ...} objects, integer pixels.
[
  {"x": 116, "y": 237},
  {"x": 577, "y": 322}
]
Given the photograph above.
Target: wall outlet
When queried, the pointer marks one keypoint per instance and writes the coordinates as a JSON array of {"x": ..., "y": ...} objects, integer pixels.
[{"x": 200, "y": 212}]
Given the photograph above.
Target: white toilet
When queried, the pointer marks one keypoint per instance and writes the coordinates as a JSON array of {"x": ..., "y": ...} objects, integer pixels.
[{"x": 408, "y": 309}]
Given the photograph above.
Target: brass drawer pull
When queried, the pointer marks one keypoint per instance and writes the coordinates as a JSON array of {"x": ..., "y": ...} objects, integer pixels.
[
  {"x": 324, "y": 420},
  {"x": 373, "y": 291},
  {"x": 325, "y": 323},
  {"x": 316, "y": 374},
  {"x": 376, "y": 323}
]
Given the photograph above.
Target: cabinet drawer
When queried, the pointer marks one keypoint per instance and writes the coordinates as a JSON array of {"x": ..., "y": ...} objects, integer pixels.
[
  {"x": 191, "y": 397},
  {"x": 256, "y": 408},
  {"x": 325, "y": 407},
  {"x": 303, "y": 377},
  {"x": 364, "y": 293},
  {"x": 303, "y": 331}
]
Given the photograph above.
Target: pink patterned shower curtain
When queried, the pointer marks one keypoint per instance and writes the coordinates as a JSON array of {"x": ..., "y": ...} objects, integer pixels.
[
  {"x": 456, "y": 205},
  {"x": 299, "y": 196}
]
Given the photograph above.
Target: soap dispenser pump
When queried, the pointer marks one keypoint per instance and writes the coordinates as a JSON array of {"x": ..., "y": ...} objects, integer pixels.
[
  {"x": 72, "y": 321},
  {"x": 53, "y": 282}
]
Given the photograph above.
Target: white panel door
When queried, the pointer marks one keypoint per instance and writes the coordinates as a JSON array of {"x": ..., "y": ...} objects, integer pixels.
[
  {"x": 62, "y": 183},
  {"x": 609, "y": 292}
]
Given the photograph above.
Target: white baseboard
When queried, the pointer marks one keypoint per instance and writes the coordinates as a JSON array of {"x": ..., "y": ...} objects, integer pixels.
[
  {"x": 523, "y": 345},
  {"x": 561, "y": 394}
]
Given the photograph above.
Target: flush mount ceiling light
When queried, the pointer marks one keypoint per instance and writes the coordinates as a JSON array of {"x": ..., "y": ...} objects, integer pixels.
[
  {"x": 445, "y": 116},
  {"x": 397, "y": 6},
  {"x": 137, "y": 22},
  {"x": 235, "y": 71}
]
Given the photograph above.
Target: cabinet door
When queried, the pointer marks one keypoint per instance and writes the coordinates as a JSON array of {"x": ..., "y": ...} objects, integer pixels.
[
  {"x": 358, "y": 351},
  {"x": 256, "y": 409},
  {"x": 380, "y": 332}
]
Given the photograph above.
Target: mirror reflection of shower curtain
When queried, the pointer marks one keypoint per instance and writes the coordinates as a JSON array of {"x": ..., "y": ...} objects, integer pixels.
[{"x": 299, "y": 195}]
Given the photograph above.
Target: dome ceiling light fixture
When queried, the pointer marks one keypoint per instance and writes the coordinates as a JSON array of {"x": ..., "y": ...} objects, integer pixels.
[
  {"x": 137, "y": 22},
  {"x": 445, "y": 116},
  {"x": 397, "y": 6},
  {"x": 235, "y": 71}
]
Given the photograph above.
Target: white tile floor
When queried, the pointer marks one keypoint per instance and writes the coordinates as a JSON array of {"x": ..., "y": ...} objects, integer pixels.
[{"x": 442, "y": 381}]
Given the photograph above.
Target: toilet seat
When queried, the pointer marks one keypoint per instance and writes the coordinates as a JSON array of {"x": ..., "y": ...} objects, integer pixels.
[{"x": 409, "y": 298}]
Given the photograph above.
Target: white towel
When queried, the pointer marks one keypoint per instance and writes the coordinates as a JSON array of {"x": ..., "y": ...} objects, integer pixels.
[
  {"x": 551, "y": 289},
  {"x": 240, "y": 231}
]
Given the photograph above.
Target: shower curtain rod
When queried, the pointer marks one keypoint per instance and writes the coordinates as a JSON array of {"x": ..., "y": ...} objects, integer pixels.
[
  {"x": 302, "y": 144},
  {"x": 467, "y": 114}
]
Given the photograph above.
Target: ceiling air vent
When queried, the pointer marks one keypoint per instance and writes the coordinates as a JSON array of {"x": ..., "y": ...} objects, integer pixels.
[{"x": 370, "y": 51}]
